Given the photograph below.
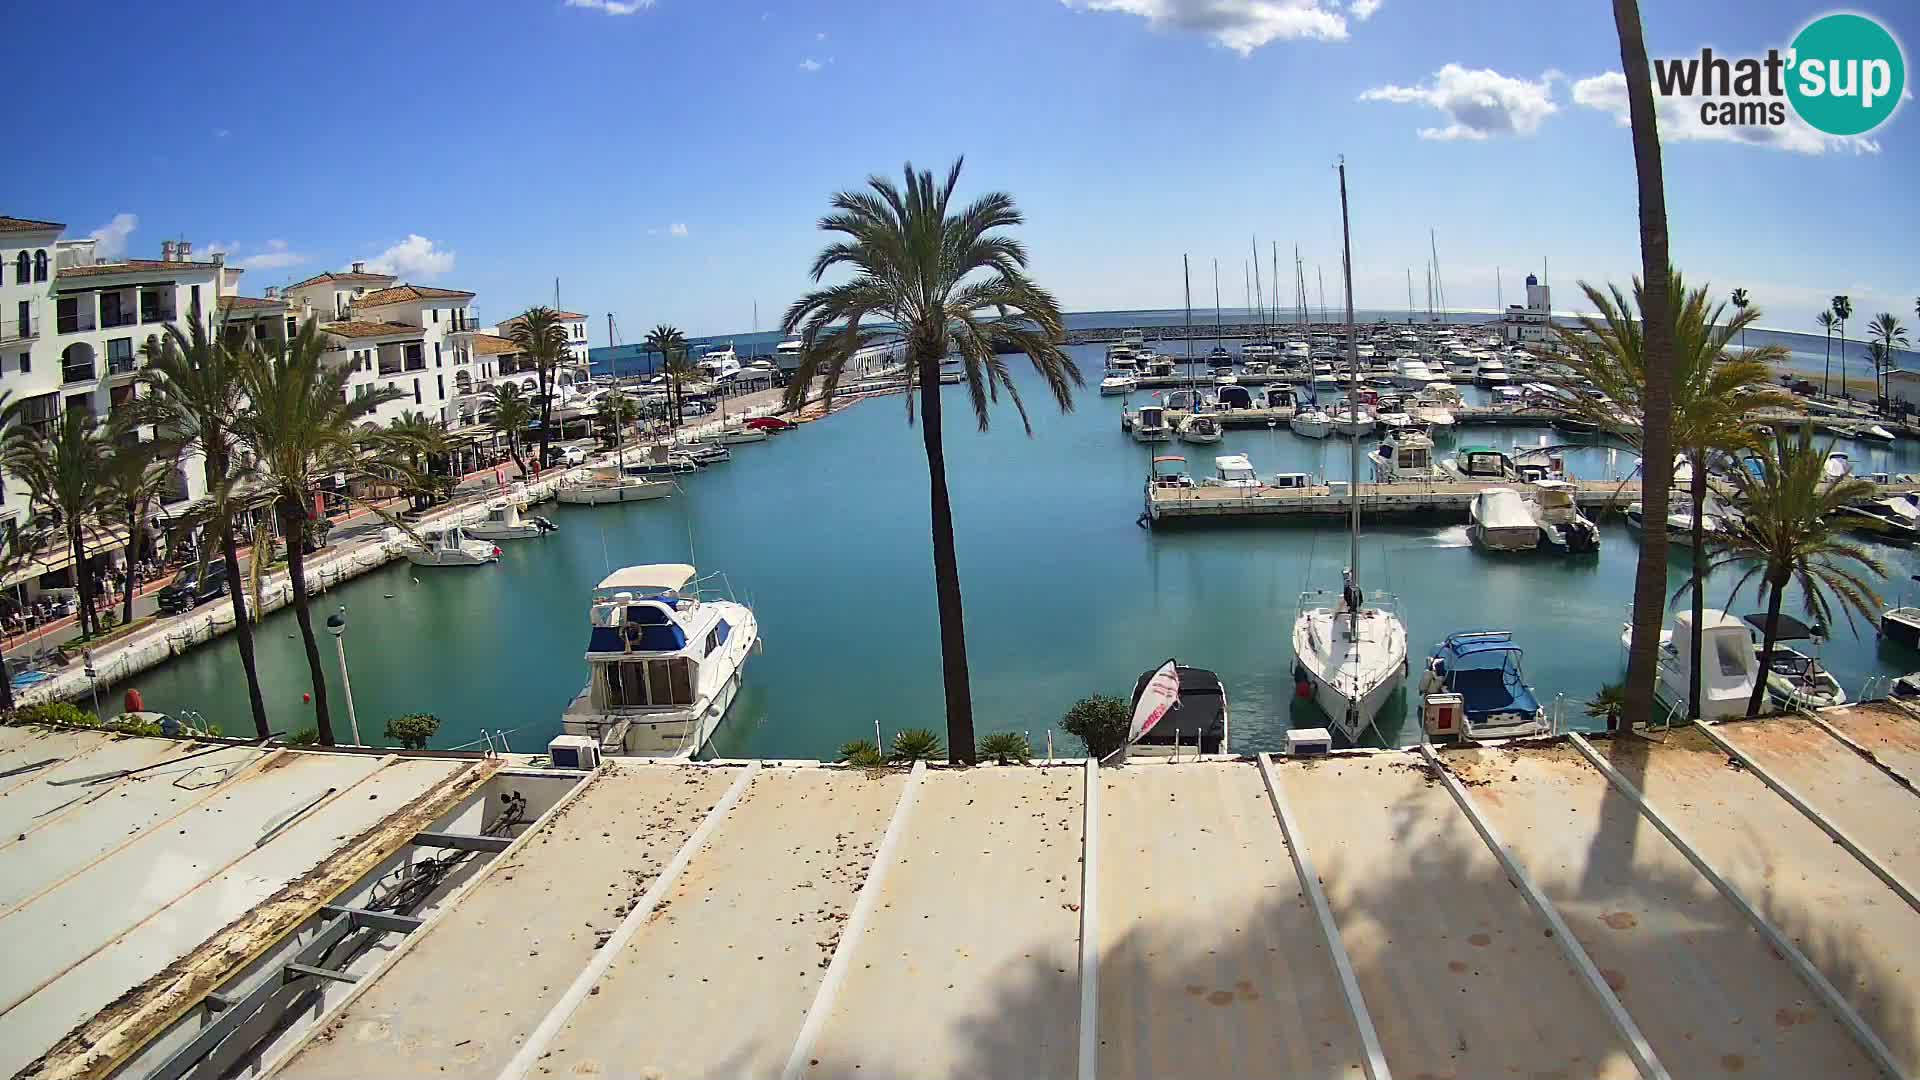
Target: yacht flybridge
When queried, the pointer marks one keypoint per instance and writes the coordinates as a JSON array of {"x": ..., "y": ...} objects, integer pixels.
[{"x": 664, "y": 664}]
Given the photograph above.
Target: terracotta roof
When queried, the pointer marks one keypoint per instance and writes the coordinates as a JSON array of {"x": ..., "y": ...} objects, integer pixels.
[
  {"x": 489, "y": 345},
  {"x": 340, "y": 275},
  {"x": 131, "y": 266},
  {"x": 248, "y": 303},
  {"x": 563, "y": 316},
  {"x": 357, "y": 329},
  {"x": 20, "y": 224},
  {"x": 403, "y": 293}
]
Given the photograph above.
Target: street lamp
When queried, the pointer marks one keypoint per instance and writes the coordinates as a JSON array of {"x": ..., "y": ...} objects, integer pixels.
[{"x": 337, "y": 626}]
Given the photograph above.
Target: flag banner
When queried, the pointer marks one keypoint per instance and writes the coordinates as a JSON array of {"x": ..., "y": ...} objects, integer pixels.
[{"x": 1161, "y": 693}]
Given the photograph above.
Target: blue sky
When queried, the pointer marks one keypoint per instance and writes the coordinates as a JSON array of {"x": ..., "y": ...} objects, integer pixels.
[{"x": 667, "y": 161}]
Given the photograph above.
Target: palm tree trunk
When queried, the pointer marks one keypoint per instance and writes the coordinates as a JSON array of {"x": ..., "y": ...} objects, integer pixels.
[
  {"x": 946, "y": 572},
  {"x": 1650, "y": 581},
  {"x": 292, "y": 520},
  {"x": 1766, "y": 649},
  {"x": 1826, "y": 376},
  {"x": 546, "y": 411},
  {"x": 1699, "y": 583},
  {"x": 242, "y": 628},
  {"x": 82, "y": 581},
  {"x": 1845, "y": 390}
]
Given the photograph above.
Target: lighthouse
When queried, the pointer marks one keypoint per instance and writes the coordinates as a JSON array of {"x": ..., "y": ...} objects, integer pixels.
[{"x": 1532, "y": 324}]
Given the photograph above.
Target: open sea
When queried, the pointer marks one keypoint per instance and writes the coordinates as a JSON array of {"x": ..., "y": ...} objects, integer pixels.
[{"x": 825, "y": 531}]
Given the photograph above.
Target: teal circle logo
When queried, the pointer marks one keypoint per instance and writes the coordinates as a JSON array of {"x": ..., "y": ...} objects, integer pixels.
[{"x": 1848, "y": 74}]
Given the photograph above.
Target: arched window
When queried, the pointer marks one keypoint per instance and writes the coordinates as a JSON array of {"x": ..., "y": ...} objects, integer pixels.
[
  {"x": 22, "y": 269},
  {"x": 40, "y": 265}
]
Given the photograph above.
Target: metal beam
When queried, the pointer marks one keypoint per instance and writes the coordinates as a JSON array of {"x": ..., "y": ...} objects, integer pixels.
[
  {"x": 364, "y": 919},
  {"x": 463, "y": 841},
  {"x": 1090, "y": 925},
  {"x": 1637, "y": 1046},
  {"x": 1374, "y": 1059},
  {"x": 1781, "y": 944},
  {"x": 865, "y": 901},
  {"x": 542, "y": 1036},
  {"x": 1853, "y": 744},
  {"x": 292, "y": 970},
  {"x": 1806, "y": 809}
]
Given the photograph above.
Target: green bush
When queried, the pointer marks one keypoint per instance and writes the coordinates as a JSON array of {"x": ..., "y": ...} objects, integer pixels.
[
  {"x": 304, "y": 737},
  {"x": 915, "y": 744},
  {"x": 1006, "y": 746},
  {"x": 1100, "y": 723},
  {"x": 413, "y": 730},
  {"x": 129, "y": 724},
  {"x": 55, "y": 712},
  {"x": 861, "y": 754}
]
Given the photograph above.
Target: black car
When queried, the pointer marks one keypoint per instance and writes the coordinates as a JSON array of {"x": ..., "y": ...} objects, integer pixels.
[{"x": 189, "y": 590}]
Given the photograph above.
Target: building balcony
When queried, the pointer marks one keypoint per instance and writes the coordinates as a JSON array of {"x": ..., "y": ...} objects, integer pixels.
[
  {"x": 156, "y": 315},
  {"x": 77, "y": 373},
  {"x": 389, "y": 369},
  {"x": 74, "y": 324},
  {"x": 117, "y": 318},
  {"x": 17, "y": 330},
  {"x": 120, "y": 365}
]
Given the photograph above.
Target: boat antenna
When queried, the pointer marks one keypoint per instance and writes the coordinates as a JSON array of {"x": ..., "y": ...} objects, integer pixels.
[
  {"x": 1352, "y": 582},
  {"x": 1321, "y": 275}
]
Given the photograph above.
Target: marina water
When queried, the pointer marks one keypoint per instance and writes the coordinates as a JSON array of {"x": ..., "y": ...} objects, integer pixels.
[{"x": 825, "y": 531}]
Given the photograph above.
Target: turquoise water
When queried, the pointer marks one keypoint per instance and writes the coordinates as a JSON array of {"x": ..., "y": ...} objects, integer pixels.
[{"x": 824, "y": 530}]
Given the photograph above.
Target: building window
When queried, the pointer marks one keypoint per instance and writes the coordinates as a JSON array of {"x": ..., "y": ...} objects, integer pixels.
[
  {"x": 416, "y": 391},
  {"x": 26, "y": 362},
  {"x": 440, "y": 386},
  {"x": 193, "y": 301},
  {"x": 436, "y": 354},
  {"x": 436, "y": 314},
  {"x": 26, "y": 318},
  {"x": 22, "y": 269},
  {"x": 40, "y": 266},
  {"x": 293, "y": 327},
  {"x": 67, "y": 315}
]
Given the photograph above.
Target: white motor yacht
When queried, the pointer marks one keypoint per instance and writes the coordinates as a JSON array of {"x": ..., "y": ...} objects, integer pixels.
[
  {"x": 1118, "y": 382},
  {"x": 1498, "y": 519},
  {"x": 664, "y": 663},
  {"x": 1404, "y": 456},
  {"x": 1200, "y": 428},
  {"x": 1679, "y": 520},
  {"x": 1232, "y": 471},
  {"x": 1795, "y": 679},
  {"x": 611, "y": 484},
  {"x": 1726, "y": 676},
  {"x": 1355, "y": 420},
  {"x": 1311, "y": 423},
  {"x": 505, "y": 522},
  {"x": 730, "y": 436},
  {"x": 1150, "y": 425},
  {"x": 1562, "y": 526},
  {"x": 451, "y": 547}
]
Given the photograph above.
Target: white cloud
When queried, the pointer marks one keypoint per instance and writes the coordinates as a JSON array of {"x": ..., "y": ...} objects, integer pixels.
[
  {"x": 412, "y": 258},
  {"x": 1679, "y": 121},
  {"x": 1364, "y": 9},
  {"x": 275, "y": 256},
  {"x": 110, "y": 240},
  {"x": 612, "y": 7},
  {"x": 821, "y": 36},
  {"x": 221, "y": 133},
  {"x": 677, "y": 230},
  {"x": 810, "y": 65},
  {"x": 1240, "y": 25},
  {"x": 1478, "y": 104}
]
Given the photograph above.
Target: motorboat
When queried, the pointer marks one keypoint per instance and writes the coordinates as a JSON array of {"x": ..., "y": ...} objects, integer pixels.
[
  {"x": 1498, "y": 519},
  {"x": 450, "y": 547},
  {"x": 710, "y": 455},
  {"x": 1838, "y": 466},
  {"x": 1349, "y": 649},
  {"x": 1169, "y": 471},
  {"x": 1355, "y": 420},
  {"x": 1679, "y": 520},
  {"x": 1279, "y": 399},
  {"x": 1874, "y": 433},
  {"x": 1200, "y": 428},
  {"x": 1220, "y": 355},
  {"x": 1150, "y": 425},
  {"x": 1311, "y": 422},
  {"x": 505, "y": 522},
  {"x": 1575, "y": 425},
  {"x": 1795, "y": 679},
  {"x": 1233, "y": 471},
  {"x": 611, "y": 484},
  {"x": 1885, "y": 519},
  {"x": 665, "y": 663},
  {"x": 1198, "y": 720},
  {"x": 676, "y": 463},
  {"x": 1481, "y": 463},
  {"x": 1483, "y": 667},
  {"x": 1405, "y": 456},
  {"x": 1901, "y": 625},
  {"x": 769, "y": 423},
  {"x": 731, "y": 436},
  {"x": 1118, "y": 382},
  {"x": 1727, "y": 676},
  {"x": 1120, "y": 357},
  {"x": 1562, "y": 526},
  {"x": 1230, "y": 396}
]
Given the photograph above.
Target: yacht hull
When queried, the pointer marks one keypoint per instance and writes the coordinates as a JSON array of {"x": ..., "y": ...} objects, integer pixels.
[{"x": 1352, "y": 682}]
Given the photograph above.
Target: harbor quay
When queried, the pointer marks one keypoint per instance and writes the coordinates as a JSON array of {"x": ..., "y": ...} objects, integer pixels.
[{"x": 1722, "y": 899}]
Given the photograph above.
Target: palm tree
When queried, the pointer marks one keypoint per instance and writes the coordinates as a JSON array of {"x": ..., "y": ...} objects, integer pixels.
[
  {"x": 512, "y": 412},
  {"x": 543, "y": 338},
  {"x": 1714, "y": 398},
  {"x": 943, "y": 282},
  {"x": 1740, "y": 305},
  {"x": 301, "y": 424},
  {"x": 190, "y": 393},
  {"x": 1888, "y": 334},
  {"x": 618, "y": 413},
  {"x": 1649, "y": 585},
  {"x": 64, "y": 468},
  {"x": 1787, "y": 532},
  {"x": 1842, "y": 311},
  {"x": 1826, "y": 322},
  {"x": 419, "y": 437},
  {"x": 671, "y": 344},
  {"x": 138, "y": 475},
  {"x": 679, "y": 369}
]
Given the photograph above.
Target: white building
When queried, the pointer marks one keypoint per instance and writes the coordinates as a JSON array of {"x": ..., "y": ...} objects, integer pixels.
[{"x": 1532, "y": 324}]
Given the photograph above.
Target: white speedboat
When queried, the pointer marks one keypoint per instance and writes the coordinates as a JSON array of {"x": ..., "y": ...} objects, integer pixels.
[
  {"x": 451, "y": 547},
  {"x": 664, "y": 663},
  {"x": 730, "y": 436},
  {"x": 1200, "y": 428},
  {"x": 1838, "y": 466},
  {"x": 505, "y": 522},
  {"x": 1679, "y": 521},
  {"x": 1311, "y": 423},
  {"x": 1726, "y": 678},
  {"x": 609, "y": 484},
  {"x": 1795, "y": 679},
  {"x": 1355, "y": 420},
  {"x": 1498, "y": 519},
  {"x": 1150, "y": 425},
  {"x": 1562, "y": 526},
  {"x": 1118, "y": 382},
  {"x": 1233, "y": 471},
  {"x": 1432, "y": 412},
  {"x": 1404, "y": 456},
  {"x": 1482, "y": 668}
]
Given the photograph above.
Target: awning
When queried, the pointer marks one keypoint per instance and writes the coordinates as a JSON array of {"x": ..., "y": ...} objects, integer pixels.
[
  {"x": 654, "y": 577},
  {"x": 51, "y": 558},
  {"x": 1786, "y": 628}
]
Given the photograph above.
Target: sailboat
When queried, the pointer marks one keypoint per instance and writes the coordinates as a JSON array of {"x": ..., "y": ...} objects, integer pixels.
[{"x": 1349, "y": 649}]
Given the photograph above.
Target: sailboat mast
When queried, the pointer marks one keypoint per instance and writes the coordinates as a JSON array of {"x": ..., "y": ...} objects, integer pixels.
[
  {"x": 1321, "y": 275},
  {"x": 1439, "y": 285},
  {"x": 1259, "y": 294},
  {"x": 1409, "y": 295},
  {"x": 1186, "y": 276},
  {"x": 1353, "y": 364},
  {"x": 1274, "y": 329}
]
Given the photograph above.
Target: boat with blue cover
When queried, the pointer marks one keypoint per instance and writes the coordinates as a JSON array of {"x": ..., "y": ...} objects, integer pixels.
[{"x": 1483, "y": 667}]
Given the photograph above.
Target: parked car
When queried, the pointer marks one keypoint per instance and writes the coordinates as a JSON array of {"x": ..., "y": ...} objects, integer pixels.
[
  {"x": 189, "y": 589},
  {"x": 561, "y": 457}
]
